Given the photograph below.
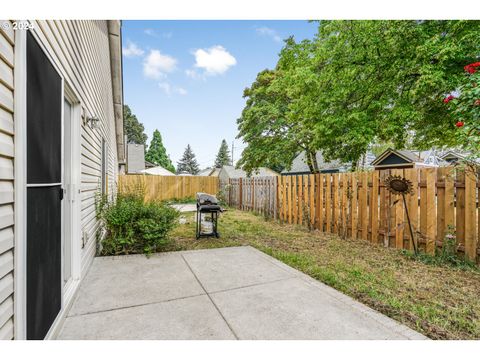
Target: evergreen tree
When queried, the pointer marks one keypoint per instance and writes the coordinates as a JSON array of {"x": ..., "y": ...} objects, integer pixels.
[
  {"x": 188, "y": 163},
  {"x": 157, "y": 154},
  {"x": 134, "y": 129},
  {"x": 223, "y": 157}
]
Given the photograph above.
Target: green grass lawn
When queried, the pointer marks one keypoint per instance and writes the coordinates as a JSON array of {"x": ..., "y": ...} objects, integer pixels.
[{"x": 440, "y": 301}]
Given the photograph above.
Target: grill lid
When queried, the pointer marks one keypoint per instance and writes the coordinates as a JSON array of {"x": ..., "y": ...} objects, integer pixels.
[{"x": 206, "y": 199}]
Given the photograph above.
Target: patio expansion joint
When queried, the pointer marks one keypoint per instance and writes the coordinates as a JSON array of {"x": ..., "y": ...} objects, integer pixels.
[
  {"x": 252, "y": 285},
  {"x": 136, "y": 305},
  {"x": 213, "y": 302}
]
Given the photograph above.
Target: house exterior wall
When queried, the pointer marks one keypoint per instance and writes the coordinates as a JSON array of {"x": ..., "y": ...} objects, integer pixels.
[
  {"x": 80, "y": 51},
  {"x": 6, "y": 182}
]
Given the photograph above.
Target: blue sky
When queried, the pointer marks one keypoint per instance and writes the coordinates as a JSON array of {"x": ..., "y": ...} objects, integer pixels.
[{"x": 186, "y": 78}]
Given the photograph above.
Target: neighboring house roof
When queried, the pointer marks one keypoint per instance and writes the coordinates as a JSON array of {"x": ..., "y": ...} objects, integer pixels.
[
  {"x": 392, "y": 157},
  {"x": 157, "y": 170},
  {"x": 215, "y": 172},
  {"x": 209, "y": 172},
  {"x": 450, "y": 155},
  {"x": 299, "y": 164},
  {"x": 234, "y": 173},
  {"x": 148, "y": 164}
]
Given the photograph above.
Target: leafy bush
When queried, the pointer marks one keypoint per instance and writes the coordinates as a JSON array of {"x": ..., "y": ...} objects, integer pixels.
[{"x": 134, "y": 226}]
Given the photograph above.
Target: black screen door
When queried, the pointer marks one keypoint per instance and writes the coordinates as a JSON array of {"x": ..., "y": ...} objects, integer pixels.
[{"x": 44, "y": 191}]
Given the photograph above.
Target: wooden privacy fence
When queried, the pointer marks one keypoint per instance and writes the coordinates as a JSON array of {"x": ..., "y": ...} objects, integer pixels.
[
  {"x": 358, "y": 205},
  {"x": 258, "y": 194},
  {"x": 161, "y": 188}
]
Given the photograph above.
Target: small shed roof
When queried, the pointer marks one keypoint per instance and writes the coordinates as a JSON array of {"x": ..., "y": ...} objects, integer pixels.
[
  {"x": 234, "y": 173},
  {"x": 157, "y": 170},
  {"x": 299, "y": 164}
]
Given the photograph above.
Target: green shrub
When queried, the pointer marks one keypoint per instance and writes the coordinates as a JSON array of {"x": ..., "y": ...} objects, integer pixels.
[{"x": 135, "y": 227}]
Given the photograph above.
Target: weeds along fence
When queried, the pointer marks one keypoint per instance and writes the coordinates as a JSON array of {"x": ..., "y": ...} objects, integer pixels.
[
  {"x": 160, "y": 188},
  {"x": 358, "y": 205}
]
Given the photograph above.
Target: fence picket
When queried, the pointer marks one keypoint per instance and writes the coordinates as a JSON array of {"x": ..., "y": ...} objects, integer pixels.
[
  {"x": 374, "y": 208},
  {"x": 431, "y": 211},
  {"x": 344, "y": 230},
  {"x": 328, "y": 202},
  {"x": 312, "y": 199},
  {"x": 321, "y": 213},
  {"x": 354, "y": 206},
  {"x": 470, "y": 211},
  {"x": 412, "y": 205},
  {"x": 335, "y": 204}
]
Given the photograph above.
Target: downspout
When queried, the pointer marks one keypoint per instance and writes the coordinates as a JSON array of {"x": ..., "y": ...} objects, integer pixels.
[{"x": 115, "y": 44}]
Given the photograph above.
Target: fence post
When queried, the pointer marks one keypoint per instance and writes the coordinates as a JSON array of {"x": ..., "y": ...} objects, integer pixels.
[
  {"x": 276, "y": 199},
  {"x": 240, "y": 193},
  {"x": 229, "y": 192}
]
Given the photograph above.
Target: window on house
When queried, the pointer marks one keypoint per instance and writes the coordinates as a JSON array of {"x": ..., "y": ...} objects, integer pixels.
[{"x": 104, "y": 169}]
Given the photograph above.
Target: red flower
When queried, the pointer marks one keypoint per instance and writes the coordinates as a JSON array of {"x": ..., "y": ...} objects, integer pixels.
[
  {"x": 459, "y": 124},
  {"x": 477, "y": 102},
  {"x": 448, "y": 99},
  {"x": 471, "y": 68}
]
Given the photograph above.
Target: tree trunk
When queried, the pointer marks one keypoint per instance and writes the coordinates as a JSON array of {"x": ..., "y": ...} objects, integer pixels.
[
  {"x": 354, "y": 166},
  {"x": 311, "y": 160}
]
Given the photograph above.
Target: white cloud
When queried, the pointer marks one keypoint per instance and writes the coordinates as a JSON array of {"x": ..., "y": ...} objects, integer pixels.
[
  {"x": 154, "y": 33},
  {"x": 271, "y": 33},
  {"x": 132, "y": 50},
  {"x": 214, "y": 61},
  {"x": 169, "y": 89},
  {"x": 149, "y": 32},
  {"x": 194, "y": 74},
  {"x": 181, "y": 91},
  {"x": 156, "y": 64}
]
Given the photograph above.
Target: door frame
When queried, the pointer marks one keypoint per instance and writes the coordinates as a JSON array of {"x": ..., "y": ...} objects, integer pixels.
[{"x": 20, "y": 185}]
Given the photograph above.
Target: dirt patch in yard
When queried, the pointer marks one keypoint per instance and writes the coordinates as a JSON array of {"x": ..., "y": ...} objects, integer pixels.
[{"x": 440, "y": 301}]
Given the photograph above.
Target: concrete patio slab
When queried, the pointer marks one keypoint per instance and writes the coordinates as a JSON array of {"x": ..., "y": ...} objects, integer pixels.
[
  {"x": 122, "y": 281},
  {"x": 185, "y": 207},
  {"x": 226, "y": 293},
  {"x": 292, "y": 309},
  {"x": 193, "y": 318},
  {"x": 231, "y": 268}
]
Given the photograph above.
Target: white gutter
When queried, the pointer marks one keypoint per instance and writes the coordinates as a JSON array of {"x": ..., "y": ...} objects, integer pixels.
[{"x": 115, "y": 43}]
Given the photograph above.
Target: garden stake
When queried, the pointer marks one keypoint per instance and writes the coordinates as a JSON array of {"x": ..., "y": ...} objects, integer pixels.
[
  {"x": 400, "y": 186},
  {"x": 410, "y": 226}
]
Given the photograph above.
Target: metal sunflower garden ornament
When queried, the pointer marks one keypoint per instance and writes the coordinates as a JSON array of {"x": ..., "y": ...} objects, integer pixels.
[{"x": 398, "y": 185}]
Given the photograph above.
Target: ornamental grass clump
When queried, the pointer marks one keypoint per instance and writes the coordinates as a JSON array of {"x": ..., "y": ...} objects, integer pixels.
[{"x": 135, "y": 227}]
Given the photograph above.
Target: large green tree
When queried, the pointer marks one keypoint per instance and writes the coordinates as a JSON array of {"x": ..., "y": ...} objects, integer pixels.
[
  {"x": 188, "y": 163},
  {"x": 223, "y": 156},
  {"x": 157, "y": 154},
  {"x": 134, "y": 129},
  {"x": 274, "y": 137},
  {"x": 358, "y": 83}
]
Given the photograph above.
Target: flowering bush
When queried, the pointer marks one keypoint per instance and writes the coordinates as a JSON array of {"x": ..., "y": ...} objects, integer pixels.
[{"x": 466, "y": 110}]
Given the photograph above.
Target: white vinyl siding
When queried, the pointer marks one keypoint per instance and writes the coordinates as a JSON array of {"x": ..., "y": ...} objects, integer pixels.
[
  {"x": 80, "y": 49},
  {"x": 6, "y": 182}
]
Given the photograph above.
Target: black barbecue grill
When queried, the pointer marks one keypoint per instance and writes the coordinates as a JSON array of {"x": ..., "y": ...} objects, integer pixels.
[{"x": 207, "y": 215}]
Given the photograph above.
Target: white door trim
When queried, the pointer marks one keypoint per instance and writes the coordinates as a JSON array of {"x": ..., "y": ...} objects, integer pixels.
[
  {"x": 20, "y": 164},
  {"x": 20, "y": 185}
]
